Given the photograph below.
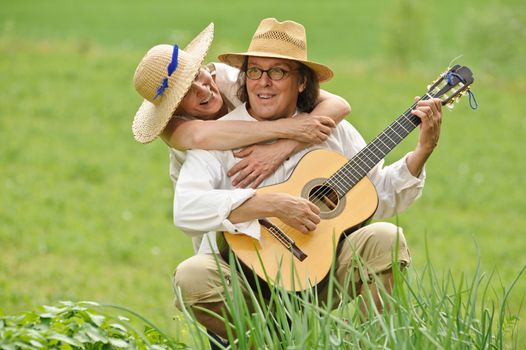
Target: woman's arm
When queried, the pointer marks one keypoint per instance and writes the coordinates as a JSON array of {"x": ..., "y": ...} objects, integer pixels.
[
  {"x": 228, "y": 134},
  {"x": 305, "y": 129},
  {"x": 331, "y": 105}
]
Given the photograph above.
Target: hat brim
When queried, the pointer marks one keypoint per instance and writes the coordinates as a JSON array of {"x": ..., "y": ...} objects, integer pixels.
[
  {"x": 151, "y": 119},
  {"x": 323, "y": 72}
]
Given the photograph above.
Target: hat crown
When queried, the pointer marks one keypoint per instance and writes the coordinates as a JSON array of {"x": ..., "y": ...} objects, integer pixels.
[
  {"x": 153, "y": 68},
  {"x": 287, "y": 38}
]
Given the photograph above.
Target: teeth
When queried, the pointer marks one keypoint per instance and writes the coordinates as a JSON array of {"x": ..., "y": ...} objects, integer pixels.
[{"x": 207, "y": 99}]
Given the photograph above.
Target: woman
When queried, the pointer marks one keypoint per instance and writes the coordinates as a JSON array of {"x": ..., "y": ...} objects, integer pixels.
[{"x": 183, "y": 101}]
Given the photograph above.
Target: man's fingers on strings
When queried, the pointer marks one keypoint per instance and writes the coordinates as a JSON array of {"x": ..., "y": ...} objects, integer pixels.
[
  {"x": 315, "y": 219},
  {"x": 424, "y": 117},
  {"x": 310, "y": 226},
  {"x": 314, "y": 208}
]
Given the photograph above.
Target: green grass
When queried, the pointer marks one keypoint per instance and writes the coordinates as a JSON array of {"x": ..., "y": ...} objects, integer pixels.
[
  {"x": 85, "y": 212},
  {"x": 425, "y": 310}
]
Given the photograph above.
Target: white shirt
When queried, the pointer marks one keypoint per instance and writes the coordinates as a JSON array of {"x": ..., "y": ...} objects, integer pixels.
[
  {"x": 205, "y": 195},
  {"x": 225, "y": 77}
]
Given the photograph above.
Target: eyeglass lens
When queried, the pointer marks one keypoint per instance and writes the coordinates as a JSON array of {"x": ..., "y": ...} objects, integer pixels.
[{"x": 274, "y": 73}]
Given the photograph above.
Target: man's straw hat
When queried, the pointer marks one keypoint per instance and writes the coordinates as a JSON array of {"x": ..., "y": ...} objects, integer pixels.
[
  {"x": 162, "y": 90},
  {"x": 275, "y": 39}
]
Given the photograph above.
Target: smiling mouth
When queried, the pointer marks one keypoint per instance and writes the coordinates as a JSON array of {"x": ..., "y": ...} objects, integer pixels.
[
  {"x": 265, "y": 96},
  {"x": 207, "y": 99}
]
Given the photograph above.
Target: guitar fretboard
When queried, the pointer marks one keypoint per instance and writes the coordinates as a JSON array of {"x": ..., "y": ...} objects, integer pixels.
[{"x": 358, "y": 166}]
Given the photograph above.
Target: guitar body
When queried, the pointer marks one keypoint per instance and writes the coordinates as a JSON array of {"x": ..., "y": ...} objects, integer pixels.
[{"x": 271, "y": 259}]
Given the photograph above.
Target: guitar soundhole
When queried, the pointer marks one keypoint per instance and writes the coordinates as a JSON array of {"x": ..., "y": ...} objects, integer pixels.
[{"x": 324, "y": 197}]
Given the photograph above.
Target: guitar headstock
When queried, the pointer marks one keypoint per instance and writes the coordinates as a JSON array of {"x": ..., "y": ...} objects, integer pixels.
[{"x": 451, "y": 85}]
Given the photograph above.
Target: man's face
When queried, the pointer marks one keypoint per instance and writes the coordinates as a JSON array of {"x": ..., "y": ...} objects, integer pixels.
[
  {"x": 203, "y": 99},
  {"x": 273, "y": 99}
]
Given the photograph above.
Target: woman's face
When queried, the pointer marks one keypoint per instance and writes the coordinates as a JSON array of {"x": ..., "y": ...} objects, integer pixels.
[{"x": 203, "y": 99}]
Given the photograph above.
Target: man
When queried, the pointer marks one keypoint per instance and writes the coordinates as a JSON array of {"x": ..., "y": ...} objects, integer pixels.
[{"x": 280, "y": 81}]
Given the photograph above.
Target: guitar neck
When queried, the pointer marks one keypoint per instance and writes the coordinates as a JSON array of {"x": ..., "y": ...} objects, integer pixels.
[{"x": 359, "y": 165}]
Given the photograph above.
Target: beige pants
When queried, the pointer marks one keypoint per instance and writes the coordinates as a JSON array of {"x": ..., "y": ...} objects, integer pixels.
[{"x": 200, "y": 283}]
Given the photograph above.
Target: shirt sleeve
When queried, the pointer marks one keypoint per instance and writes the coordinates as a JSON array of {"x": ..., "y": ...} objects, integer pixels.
[
  {"x": 396, "y": 187},
  {"x": 199, "y": 206}
]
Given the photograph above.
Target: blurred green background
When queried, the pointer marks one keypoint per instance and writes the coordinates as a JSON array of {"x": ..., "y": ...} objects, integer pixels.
[{"x": 86, "y": 212}]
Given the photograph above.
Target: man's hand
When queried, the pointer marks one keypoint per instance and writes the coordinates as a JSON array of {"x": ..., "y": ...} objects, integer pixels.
[
  {"x": 430, "y": 114},
  {"x": 296, "y": 212}
]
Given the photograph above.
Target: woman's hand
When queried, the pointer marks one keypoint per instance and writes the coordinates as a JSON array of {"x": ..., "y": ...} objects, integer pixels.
[
  {"x": 307, "y": 128},
  {"x": 259, "y": 162}
]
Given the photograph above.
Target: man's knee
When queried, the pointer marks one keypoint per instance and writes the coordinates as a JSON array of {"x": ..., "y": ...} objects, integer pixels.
[
  {"x": 194, "y": 278},
  {"x": 188, "y": 273},
  {"x": 377, "y": 244},
  {"x": 386, "y": 235}
]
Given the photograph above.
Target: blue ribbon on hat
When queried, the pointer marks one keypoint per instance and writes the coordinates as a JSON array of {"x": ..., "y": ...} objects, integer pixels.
[{"x": 171, "y": 68}]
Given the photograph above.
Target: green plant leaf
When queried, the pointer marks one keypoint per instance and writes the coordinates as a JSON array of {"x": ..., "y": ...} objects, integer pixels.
[
  {"x": 65, "y": 339},
  {"x": 118, "y": 343}
]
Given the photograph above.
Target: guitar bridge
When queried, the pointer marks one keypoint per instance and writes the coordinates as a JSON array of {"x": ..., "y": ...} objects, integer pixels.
[{"x": 285, "y": 240}]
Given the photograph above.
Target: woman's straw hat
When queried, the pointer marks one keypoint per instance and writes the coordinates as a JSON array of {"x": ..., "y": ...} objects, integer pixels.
[
  {"x": 275, "y": 39},
  {"x": 162, "y": 87}
]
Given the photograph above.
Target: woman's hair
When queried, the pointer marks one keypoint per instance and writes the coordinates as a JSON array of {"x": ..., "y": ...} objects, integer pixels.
[{"x": 306, "y": 99}]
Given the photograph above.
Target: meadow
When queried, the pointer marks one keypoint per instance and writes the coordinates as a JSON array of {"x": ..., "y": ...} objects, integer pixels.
[{"x": 86, "y": 212}]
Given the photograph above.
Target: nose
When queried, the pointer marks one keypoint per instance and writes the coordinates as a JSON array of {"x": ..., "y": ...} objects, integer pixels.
[
  {"x": 265, "y": 80},
  {"x": 200, "y": 89}
]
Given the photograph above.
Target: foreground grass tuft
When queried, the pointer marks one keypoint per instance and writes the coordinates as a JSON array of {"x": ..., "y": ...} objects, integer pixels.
[{"x": 425, "y": 311}]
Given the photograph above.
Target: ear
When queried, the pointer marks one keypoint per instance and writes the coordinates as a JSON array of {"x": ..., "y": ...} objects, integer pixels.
[{"x": 302, "y": 85}]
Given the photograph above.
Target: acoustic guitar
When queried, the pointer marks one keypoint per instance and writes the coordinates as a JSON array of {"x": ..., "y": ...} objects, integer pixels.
[{"x": 340, "y": 188}]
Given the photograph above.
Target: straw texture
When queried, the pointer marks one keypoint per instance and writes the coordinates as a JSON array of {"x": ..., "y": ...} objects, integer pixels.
[{"x": 154, "y": 113}]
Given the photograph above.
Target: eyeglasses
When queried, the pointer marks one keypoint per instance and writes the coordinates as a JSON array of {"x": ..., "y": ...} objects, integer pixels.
[{"x": 274, "y": 73}]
